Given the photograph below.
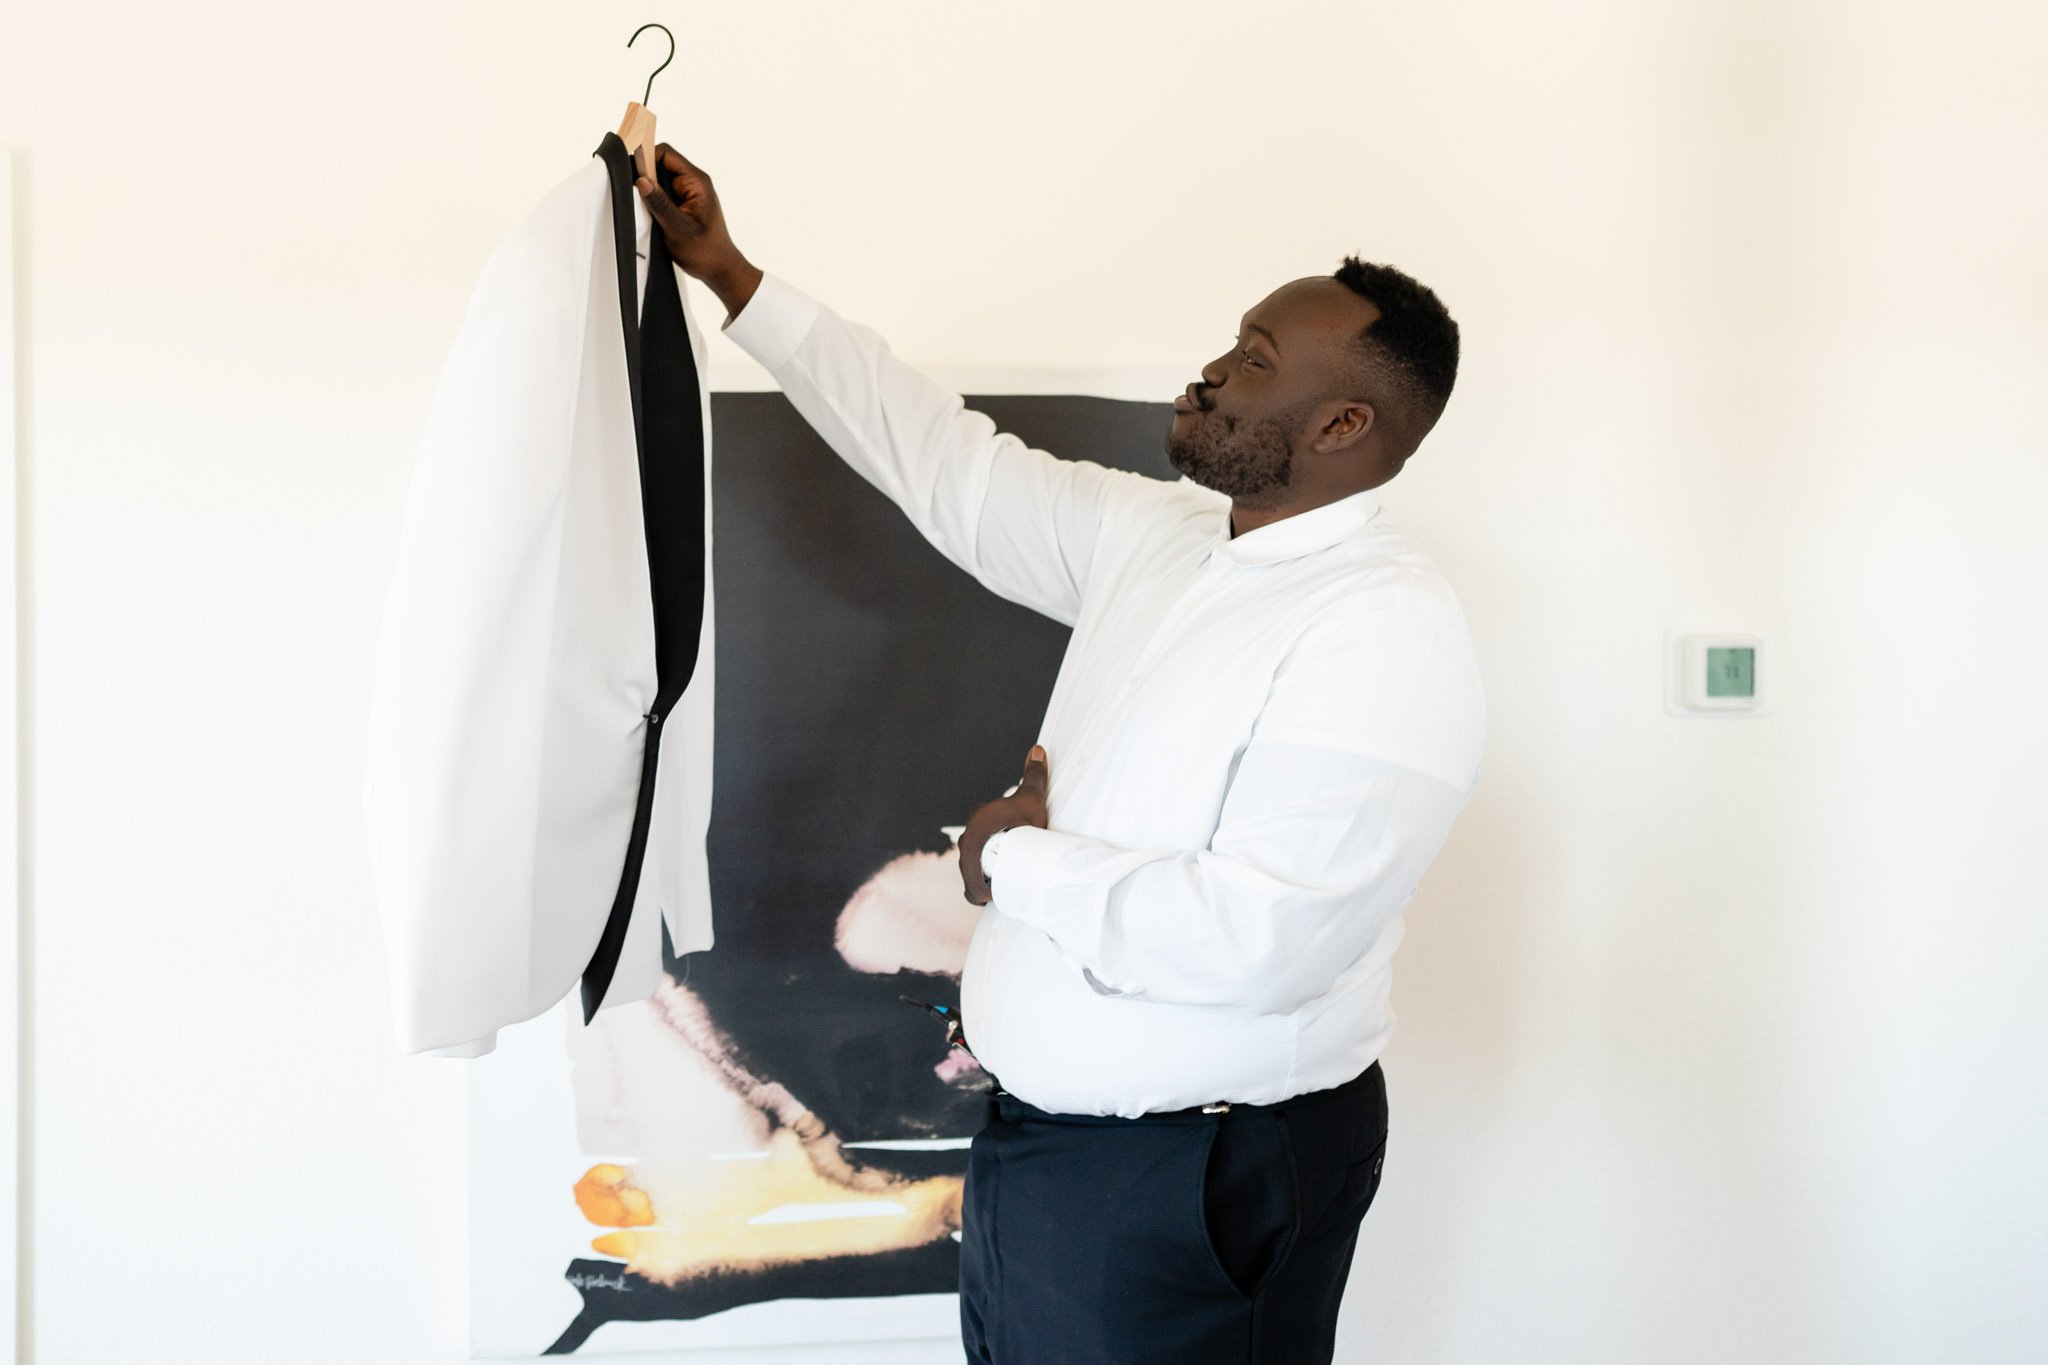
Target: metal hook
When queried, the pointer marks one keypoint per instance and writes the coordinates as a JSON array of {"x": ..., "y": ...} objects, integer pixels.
[{"x": 659, "y": 69}]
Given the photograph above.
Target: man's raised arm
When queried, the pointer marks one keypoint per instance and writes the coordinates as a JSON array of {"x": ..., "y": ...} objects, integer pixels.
[{"x": 1023, "y": 522}]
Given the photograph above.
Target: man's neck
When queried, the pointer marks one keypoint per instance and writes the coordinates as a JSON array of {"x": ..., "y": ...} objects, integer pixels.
[{"x": 1243, "y": 518}]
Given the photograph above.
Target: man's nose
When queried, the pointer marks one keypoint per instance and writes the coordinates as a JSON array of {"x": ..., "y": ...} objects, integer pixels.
[{"x": 1213, "y": 375}]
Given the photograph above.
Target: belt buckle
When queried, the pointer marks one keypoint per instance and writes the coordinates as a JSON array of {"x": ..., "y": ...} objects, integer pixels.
[{"x": 1218, "y": 1108}]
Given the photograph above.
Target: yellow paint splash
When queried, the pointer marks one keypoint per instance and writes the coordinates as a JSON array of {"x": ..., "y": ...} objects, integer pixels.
[
  {"x": 608, "y": 1197},
  {"x": 715, "y": 1234}
]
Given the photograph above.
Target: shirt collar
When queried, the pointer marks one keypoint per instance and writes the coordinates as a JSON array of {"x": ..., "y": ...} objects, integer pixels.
[{"x": 1291, "y": 537}]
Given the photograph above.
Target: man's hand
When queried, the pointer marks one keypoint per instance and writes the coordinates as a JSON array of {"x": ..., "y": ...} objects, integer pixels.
[
  {"x": 687, "y": 211},
  {"x": 1025, "y": 807}
]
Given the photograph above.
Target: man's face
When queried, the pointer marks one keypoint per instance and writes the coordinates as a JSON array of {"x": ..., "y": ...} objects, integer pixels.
[{"x": 1237, "y": 428}]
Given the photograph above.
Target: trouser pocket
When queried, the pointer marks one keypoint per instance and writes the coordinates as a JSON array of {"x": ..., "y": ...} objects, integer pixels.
[
  {"x": 1249, "y": 1206},
  {"x": 1362, "y": 1180}
]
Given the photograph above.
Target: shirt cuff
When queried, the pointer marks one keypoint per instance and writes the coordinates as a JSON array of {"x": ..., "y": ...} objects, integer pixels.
[
  {"x": 1038, "y": 866},
  {"x": 1029, "y": 856},
  {"x": 774, "y": 320},
  {"x": 989, "y": 847}
]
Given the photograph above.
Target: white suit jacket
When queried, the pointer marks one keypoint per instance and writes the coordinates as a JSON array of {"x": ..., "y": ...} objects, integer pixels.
[{"x": 516, "y": 672}]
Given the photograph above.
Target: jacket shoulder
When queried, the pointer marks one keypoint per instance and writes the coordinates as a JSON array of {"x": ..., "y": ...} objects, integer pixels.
[{"x": 560, "y": 236}]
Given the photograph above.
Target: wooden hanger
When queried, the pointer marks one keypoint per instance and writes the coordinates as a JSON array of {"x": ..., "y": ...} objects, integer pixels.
[{"x": 636, "y": 130}]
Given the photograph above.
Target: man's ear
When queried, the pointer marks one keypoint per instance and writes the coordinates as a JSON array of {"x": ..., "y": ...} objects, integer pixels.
[{"x": 1345, "y": 427}]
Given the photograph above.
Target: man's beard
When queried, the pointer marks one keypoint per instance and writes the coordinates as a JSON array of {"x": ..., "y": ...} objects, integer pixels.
[{"x": 1247, "y": 461}]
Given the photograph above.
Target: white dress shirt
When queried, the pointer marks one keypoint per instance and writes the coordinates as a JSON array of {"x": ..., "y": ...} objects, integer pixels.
[{"x": 1256, "y": 745}]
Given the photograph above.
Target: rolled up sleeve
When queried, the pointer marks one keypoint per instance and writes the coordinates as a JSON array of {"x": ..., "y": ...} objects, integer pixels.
[{"x": 1025, "y": 523}]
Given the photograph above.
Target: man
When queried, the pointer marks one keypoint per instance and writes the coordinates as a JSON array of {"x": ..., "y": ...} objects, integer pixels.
[{"x": 1268, "y": 716}]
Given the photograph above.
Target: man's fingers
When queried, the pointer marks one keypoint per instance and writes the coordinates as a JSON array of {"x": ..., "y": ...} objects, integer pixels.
[
  {"x": 663, "y": 208},
  {"x": 1034, "y": 770},
  {"x": 673, "y": 159},
  {"x": 658, "y": 202},
  {"x": 968, "y": 880}
]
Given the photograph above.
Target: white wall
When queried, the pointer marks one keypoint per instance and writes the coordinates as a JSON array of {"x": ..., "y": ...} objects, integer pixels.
[{"x": 1719, "y": 1038}]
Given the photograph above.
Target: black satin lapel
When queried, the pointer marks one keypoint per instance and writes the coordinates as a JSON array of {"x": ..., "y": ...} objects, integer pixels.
[
  {"x": 618, "y": 162},
  {"x": 668, "y": 432},
  {"x": 671, "y": 474}
]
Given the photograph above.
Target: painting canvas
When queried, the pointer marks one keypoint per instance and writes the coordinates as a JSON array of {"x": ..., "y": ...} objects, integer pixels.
[{"x": 772, "y": 1149}]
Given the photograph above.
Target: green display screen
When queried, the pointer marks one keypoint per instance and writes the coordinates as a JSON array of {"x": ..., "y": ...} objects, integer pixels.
[{"x": 1731, "y": 672}]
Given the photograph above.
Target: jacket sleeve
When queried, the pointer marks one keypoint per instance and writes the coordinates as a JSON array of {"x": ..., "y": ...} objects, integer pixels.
[
  {"x": 1363, "y": 756},
  {"x": 458, "y": 694},
  {"x": 1023, "y": 522}
]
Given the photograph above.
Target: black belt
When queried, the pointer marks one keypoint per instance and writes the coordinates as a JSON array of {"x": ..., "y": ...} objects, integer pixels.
[{"x": 1364, "y": 1080}]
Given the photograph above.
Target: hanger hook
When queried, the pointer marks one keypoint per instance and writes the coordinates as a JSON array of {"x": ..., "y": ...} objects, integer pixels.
[{"x": 664, "y": 66}]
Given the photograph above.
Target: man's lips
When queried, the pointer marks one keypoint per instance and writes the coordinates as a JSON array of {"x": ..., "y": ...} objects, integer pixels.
[{"x": 1184, "y": 401}]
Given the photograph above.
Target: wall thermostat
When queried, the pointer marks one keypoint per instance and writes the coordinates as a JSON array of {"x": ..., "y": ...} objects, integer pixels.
[{"x": 1716, "y": 674}]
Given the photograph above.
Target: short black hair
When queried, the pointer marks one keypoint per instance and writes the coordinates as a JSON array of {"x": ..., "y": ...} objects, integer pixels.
[{"x": 1410, "y": 349}]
